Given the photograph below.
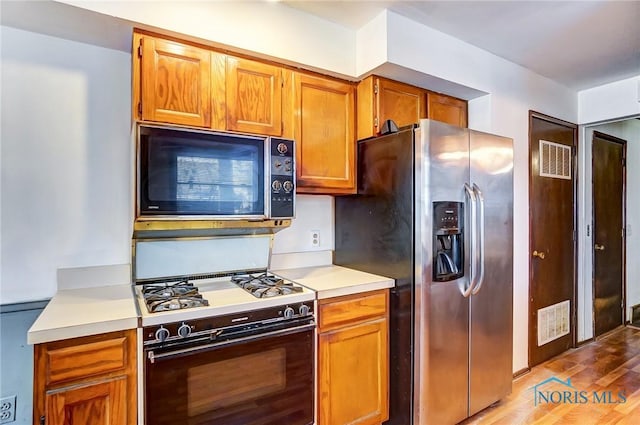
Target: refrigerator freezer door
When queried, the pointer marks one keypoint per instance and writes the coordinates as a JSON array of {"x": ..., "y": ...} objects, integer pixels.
[
  {"x": 441, "y": 311},
  {"x": 491, "y": 159}
]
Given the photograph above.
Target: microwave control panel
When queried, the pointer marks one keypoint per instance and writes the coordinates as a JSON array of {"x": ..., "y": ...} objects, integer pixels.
[{"x": 282, "y": 179}]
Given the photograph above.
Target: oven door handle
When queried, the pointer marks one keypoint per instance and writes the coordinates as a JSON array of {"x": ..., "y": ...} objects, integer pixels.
[{"x": 152, "y": 357}]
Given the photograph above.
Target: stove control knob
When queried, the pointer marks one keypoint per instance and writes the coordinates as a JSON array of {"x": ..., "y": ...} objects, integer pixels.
[
  {"x": 162, "y": 334},
  {"x": 304, "y": 310},
  {"x": 288, "y": 313},
  {"x": 287, "y": 186},
  {"x": 184, "y": 330}
]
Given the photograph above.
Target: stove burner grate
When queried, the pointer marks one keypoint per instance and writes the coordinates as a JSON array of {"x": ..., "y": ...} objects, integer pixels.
[
  {"x": 172, "y": 296},
  {"x": 265, "y": 285}
]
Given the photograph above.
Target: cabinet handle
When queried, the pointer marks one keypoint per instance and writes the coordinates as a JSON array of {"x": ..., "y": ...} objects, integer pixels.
[{"x": 598, "y": 247}]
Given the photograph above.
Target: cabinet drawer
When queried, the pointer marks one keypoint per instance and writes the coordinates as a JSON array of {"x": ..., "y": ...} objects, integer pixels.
[
  {"x": 335, "y": 312},
  {"x": 74, "y": 362}
]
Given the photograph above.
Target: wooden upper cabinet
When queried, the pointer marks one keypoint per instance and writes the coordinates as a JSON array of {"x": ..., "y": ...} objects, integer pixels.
[
  {"x": 324, "y": 129},
  {"x": 174, "y": 81},
  {"x": 402, "y": 103},
  {"x": 447, "y": 109},
  {"x": 254, "y": 97},
  {"x": 380, "y": 99}
]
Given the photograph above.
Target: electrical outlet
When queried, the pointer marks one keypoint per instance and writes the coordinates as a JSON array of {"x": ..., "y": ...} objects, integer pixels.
[
  {"x": 7, "y": 409},
  {"x": 315, "y": 238}
]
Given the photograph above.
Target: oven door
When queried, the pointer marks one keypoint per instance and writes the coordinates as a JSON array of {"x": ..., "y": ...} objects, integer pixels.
[{"x": 264, "y": 379}]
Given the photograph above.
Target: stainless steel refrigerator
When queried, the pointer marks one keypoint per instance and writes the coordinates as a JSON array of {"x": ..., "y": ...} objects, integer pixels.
[{"x": 434, "y": 211}]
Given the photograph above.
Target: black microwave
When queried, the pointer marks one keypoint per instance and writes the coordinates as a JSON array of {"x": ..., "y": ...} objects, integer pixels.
[{"x": 195, "y": 174}]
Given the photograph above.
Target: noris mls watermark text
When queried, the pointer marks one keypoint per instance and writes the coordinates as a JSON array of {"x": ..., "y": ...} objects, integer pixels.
[{"x": 556, "y": 391}]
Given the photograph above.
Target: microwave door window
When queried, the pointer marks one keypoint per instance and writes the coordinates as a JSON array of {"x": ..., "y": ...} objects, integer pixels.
[
  {"x": 205, "y": 177},
  {"x": 227, "y": 185}
]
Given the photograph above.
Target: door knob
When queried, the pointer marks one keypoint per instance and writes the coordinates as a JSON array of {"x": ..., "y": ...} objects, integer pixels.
[
  {"x": 598, "y": 247},
  {"x": 540, "y": 254}
]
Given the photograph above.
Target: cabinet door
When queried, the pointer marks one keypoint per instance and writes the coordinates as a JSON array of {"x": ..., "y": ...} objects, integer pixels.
[
  {"x": 90, "y": 376},
  {"x": 353, "y": 375},
  {"x": 102, "y": 403},
  {"x": 447, "y": 109},
  {"x": 402, "y": 103},
  {"x": 324, "y": 128},
  {"x": 175, "y": 83},
  {"x": 254, "y": 97}
]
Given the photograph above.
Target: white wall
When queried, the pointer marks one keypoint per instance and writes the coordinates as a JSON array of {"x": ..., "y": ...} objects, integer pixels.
[
  {"x": 609, "y": 101},
  {"x": 292, "y": 247},
  {"x": 628, "y": 130},
  {"x": 66, "y": 174},
  {"x": 67, "y": 152},
  {"x": 263, "y": 28},
  {"x": 505, "y": 111},
  {"x": 271, "y": 30}
]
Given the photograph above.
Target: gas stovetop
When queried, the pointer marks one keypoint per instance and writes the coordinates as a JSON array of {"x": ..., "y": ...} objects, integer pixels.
[{"x": 185, "y": 299}]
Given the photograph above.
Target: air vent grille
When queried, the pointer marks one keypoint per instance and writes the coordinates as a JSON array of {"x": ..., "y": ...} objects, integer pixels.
[
  {"x": 553, "y": 322},
  {"x": 555, "y": 160}
]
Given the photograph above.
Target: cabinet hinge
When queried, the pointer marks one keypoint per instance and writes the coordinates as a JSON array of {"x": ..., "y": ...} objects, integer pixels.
[
  {"x": 375, "y": 122},
  {"x": 375, "y": 89},
  {"x": 140, "y": 48},
  {"x": 139, "y": 109}
]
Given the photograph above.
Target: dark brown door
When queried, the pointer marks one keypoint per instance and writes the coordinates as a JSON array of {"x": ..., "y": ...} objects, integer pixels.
[
  {"x": 608, "y": 224},
  {"x": 551, "y": 236}
]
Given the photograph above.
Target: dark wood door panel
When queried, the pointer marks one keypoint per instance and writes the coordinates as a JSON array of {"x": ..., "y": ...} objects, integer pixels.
[
  {"x": 552, "y": 243},
  {"x": 608, "y": 241}
]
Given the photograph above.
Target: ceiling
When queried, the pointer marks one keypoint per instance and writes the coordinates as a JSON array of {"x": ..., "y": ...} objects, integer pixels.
[{"x": 580, "y": 44}]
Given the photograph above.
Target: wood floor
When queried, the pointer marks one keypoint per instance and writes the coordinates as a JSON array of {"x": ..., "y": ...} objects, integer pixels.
[{"x": 598, "y": 372}]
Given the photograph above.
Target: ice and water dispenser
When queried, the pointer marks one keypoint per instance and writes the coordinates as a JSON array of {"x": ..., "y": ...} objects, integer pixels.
[{"x": 448, "y": 241}]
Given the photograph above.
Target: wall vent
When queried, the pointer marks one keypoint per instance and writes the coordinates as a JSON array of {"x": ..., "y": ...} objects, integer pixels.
[
  {"x": 555, "y": 160},
  {"x": 553, "y": 322}
]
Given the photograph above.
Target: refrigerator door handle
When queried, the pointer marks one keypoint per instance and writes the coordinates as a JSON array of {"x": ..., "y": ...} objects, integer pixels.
[
  {"x": 480, "y": 242},
  {"x": 471, "y": 195}
]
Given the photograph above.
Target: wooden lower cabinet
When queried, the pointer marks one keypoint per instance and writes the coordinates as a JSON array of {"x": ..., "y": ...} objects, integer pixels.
[
  {"x": 353, "y": 359},
  {"x": 86, "y": 381}
]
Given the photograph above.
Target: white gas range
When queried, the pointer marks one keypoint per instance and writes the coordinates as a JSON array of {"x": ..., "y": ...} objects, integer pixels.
[
  {"x": 199, "y": 297},
  {"x": 223, "y": 342}
]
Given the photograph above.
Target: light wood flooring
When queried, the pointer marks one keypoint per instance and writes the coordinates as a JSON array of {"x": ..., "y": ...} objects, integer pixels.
[{"x": 611, "y": 363}]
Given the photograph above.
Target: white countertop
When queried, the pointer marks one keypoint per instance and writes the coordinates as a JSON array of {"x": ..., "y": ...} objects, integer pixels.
[
  {"x": 334, "y": 281},
  {"x": 78, "y": 312},
  {"x": 73, "y": 313}
]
